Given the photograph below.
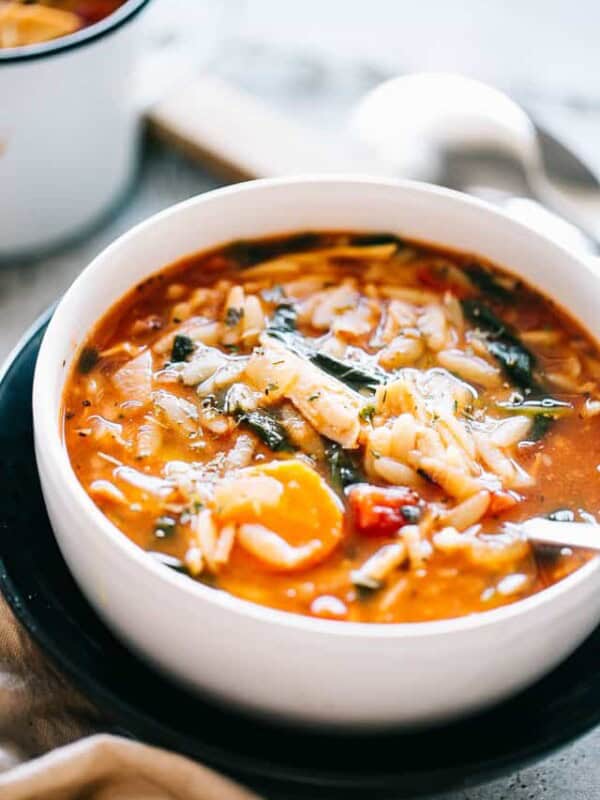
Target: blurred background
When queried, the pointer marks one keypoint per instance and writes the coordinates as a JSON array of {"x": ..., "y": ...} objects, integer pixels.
[{"x": 313, "y": 60}]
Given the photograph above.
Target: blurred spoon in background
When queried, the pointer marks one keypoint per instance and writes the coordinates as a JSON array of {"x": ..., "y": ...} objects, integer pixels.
[
  {"x": 415, "y": 122},
  {"x": 428, "y": 126}
]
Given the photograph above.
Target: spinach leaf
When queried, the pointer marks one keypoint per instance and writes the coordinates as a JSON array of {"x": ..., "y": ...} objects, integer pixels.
[
  {"x": 483, "y": 316},
  {"x": 353, "y": 375},
  {"x": 247, "y": 253},
  {"x": 183, "y": 347},
  {"x": 515, "y": 359},
  {"x": 486, "y": 282},
  {"x": 373, "y": 239},
  {"x": 343, "y": 466},
  {"x": 541, "y": 425},
  {"x": 517, "y": 362},
  {"x": 88, "y": 359},
  {"x": 268, "y": 429}
]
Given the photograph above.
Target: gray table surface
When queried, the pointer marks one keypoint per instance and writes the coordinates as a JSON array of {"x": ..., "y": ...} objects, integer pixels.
[{"x": 309, "y": 87}]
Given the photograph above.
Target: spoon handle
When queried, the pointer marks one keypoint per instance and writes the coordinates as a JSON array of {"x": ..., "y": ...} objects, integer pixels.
[{"x": 561, "y": 534}]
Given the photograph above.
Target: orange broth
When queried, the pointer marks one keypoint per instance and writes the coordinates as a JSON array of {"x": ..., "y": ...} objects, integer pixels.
[{"x": 159, "y": 443}]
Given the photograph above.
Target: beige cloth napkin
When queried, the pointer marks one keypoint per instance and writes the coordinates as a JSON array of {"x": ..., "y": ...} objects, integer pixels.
[{"x": 50, "y": 748}]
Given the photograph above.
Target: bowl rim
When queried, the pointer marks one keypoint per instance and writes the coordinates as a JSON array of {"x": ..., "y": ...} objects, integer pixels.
[
  {"x": 64, "y": 481},
  {"x": 83, "y": 36}
]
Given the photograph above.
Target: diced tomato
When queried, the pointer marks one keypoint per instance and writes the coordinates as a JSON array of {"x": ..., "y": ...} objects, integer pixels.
[
  {"x": 379, "y": 511},
  {"x": 502, "y": 501}
]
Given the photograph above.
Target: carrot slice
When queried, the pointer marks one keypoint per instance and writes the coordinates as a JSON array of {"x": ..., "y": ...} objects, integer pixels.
[{"x": 288, "y": 517}]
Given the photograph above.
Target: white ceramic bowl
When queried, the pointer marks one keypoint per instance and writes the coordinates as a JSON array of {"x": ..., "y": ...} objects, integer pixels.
[{"x": 293, "y": 667}]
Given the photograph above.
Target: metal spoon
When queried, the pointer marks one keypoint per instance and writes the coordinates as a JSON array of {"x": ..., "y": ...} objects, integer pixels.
[
  {"x": 560, "y": 534},
  {"x": 410, "y": 121}
]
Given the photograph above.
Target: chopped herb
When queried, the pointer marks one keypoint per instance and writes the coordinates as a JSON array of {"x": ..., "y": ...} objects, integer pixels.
[
  {"x": 268, "y": 429},
  {"x": 562, "y": 515},
  {"x": 168, "y": 561},
  {"x": 233, "y": 316},
  {"x": 314, "y": 397},
  {"x": 164, "y": 527},
  {"x": 86, "y": 403},
  {"x": 272, "y": 387},
  {"x": 367, "y": 412},
  {"x": 88, "y": 359},
  {"x": 343, "y": 466},
  {"x": 183, "y": 347},
  {"x": 198, "y": 505}
]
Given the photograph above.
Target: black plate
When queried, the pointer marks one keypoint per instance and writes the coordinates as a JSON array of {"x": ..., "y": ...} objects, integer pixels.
[{"x": 280, "y": 763}]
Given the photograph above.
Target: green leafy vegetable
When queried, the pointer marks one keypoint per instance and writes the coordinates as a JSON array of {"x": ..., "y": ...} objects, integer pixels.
[
  {"x": 515, "y": 359},
  {"x": 183, "y": 347},
  {"x": 517, "y": 362},
  {"x": 541, "y": 425},
  {"x": 373, "y": 239},
  {"x": 268, "y": 429},
  {"x": 248, "y": 253},
  {"x": 343, "y": 466},
  {"x": 353, "y": 375},
  {"x": 88, "y": 359},
  {"x": 486, "y": 282}
]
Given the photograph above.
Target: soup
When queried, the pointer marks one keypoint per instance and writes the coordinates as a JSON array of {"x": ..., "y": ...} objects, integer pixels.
[
  {"x": 340, "y": 425},
  {"x": 23, "y": 22}
]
